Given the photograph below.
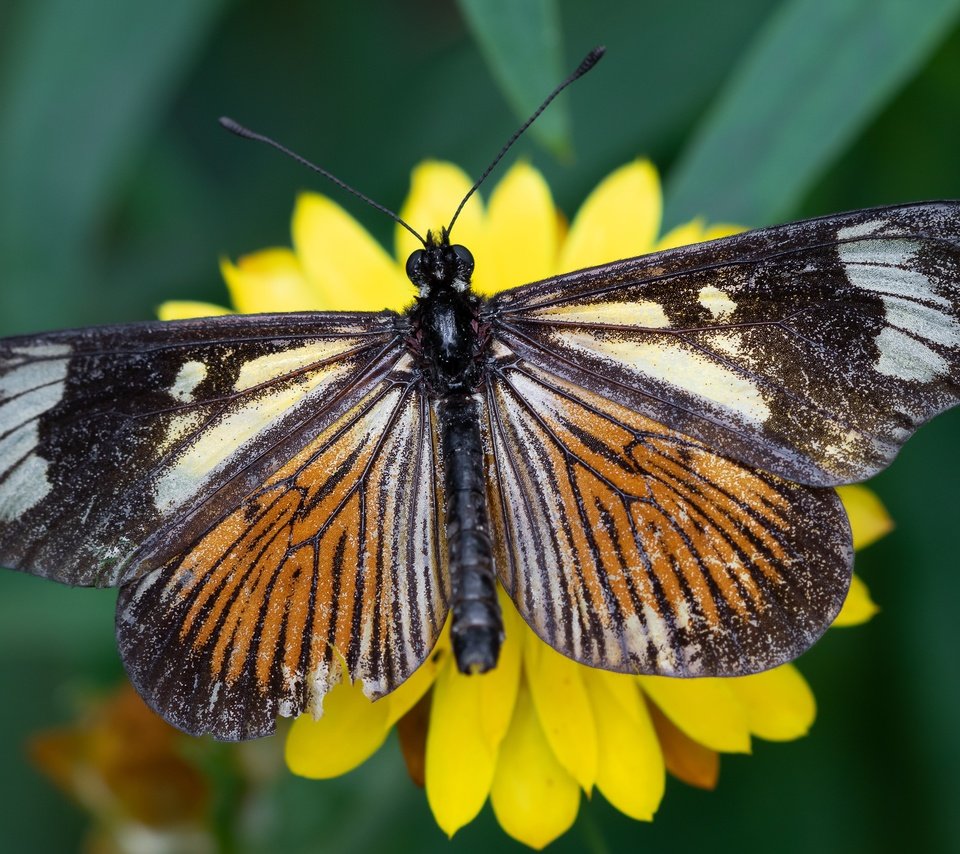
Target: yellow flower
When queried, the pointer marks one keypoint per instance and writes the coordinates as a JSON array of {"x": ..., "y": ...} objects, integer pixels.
[{"x": 540, "y": 729}]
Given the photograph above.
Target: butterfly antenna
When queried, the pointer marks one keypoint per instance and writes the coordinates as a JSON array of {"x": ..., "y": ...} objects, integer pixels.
[
  {"x": 246, "y": 133},
  {"x": 589, "y": 61}
]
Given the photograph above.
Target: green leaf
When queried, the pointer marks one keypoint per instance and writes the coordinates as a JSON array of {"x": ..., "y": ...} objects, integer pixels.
[
  {"x": 83, "y": 86},
  {"x": 816, "y": 74},
  {"x": 522, "y": 44}
]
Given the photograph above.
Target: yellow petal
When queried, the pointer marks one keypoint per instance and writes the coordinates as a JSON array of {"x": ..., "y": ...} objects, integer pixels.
[
  {"x": 869, "y": 519},
  {"x": 404, "y": 698},
  {"x": 623, "y": 691},
  {"x": 858, "y": 607},
  {"x": 705, "y": 709},
  {"x": 521, "y": 232},
  {"x": 350, "y": 731},
  {"x": 267, "y": 281},
  {"x": 534, "y": 798},
  {"x": 778, "y": 703},
  {"x": 347, "y": 268},
  {"x": 184, "y": 309},
  {"x": 460, "y": 760},
  {"x": 619, "y": 219},
  {"x": 630, "y": 769},
  {"x": 564, "y": 710},
  {"x": 721, "y": 229},
  {"x": 436, "y": 189},
  {"x": 682, "y": 235},
  {"x": 498, "y": 687}
]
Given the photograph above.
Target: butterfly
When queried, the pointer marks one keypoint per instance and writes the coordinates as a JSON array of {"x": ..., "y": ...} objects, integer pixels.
[{"x": 642, "y": 454}]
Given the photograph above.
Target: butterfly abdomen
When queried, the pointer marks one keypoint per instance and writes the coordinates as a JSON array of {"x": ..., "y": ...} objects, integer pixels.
[{"x": 477, "y": 624}]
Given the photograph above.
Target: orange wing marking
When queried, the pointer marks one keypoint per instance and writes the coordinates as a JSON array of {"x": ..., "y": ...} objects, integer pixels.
[
  {"x": 305, "y": 540},
  {"x": 653, "y": 531}
]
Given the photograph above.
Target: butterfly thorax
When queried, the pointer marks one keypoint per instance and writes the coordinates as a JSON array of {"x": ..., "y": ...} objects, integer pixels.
[
  {"x": 446, "y": 332},
  {"x": 448, "y": 341}
]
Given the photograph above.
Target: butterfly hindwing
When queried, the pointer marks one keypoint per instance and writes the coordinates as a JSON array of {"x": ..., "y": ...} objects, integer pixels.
[
  {"x": 333, "y": 567},
  {"x": 811, "y": 350},
  {"x": 628, "y": 546}
]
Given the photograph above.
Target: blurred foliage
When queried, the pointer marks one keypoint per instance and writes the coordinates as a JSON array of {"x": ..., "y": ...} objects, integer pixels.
[
  {"x": 523, "y": 46},
  {"x": 118, "y": 190}
]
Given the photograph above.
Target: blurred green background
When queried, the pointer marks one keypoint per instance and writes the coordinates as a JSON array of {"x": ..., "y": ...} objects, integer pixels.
[{"x": 118, "y": 190}]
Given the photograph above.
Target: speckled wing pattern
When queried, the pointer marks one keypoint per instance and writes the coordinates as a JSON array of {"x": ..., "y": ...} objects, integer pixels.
[
  {"x": 237, "y": 477},
  {"x": 811, "y": 350},
  {"x": 661, "y": 432}
]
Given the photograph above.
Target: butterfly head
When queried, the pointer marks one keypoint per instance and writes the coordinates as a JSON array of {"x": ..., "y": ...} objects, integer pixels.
[{"x": 440, "y": 265}]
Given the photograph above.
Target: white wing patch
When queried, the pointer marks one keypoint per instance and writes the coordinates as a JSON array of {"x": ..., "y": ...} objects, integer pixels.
[
  {"x": 861, "y": 229},
  {"x": 190, "y": 375},
  {"x": 27, "y": 390},
  {"x": 676, "y": 364},
  {"x": 716, "y": 302},
  {"x": 912, "y": 306},
  {"x": 903, "y": 356},
  {"x": 644, "y": 314},
  {"x": 220, "y": 441},
  {"x": 23, "y": 487},
  {"x": 270, "y": 367}
]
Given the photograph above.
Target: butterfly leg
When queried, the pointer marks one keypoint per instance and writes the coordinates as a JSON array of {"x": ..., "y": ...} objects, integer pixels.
[{"x": 477, "y": 624}]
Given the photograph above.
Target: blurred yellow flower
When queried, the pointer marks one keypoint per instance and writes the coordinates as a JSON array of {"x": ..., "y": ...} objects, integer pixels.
[{"x": 540, "y": 729}]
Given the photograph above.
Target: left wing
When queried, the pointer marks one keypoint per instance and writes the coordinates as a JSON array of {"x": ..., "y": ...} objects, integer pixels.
[
  {"x": 811, "y": 350},
  {"x": 262, "y": 488}
]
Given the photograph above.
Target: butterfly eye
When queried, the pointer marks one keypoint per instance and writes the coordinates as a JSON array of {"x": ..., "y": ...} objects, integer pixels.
[
  {"x": 415, "y": 266},
  {"x": 464, "y": 256}
]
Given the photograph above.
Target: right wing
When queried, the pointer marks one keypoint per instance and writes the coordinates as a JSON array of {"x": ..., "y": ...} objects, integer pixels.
[{"x": 812, "y": 350}]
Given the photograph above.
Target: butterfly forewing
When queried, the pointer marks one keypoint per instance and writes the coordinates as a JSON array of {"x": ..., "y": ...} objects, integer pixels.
[
  {"x": 631, "y": 547},
  {"x": 110, "y": 437},
  {"x": 811, "y": 350}
]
